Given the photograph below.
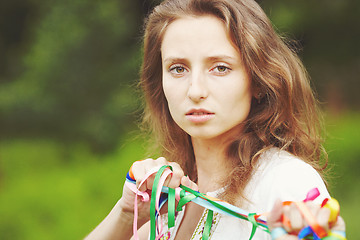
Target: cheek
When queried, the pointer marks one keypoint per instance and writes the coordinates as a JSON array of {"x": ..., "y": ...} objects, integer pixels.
[
  {"x": 238, "y": 100},
  {"x": 166, "y": 88},
  {"x": 167, "y": 92},
  {"x": 175, "y": 90},
  {"x": 171, "y": 95}
]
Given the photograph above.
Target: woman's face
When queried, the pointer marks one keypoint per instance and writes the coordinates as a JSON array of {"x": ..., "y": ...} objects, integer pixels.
[{"x": 205, "y": 83}]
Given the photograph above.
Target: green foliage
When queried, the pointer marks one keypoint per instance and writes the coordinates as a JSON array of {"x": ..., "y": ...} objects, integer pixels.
[
  {"x": 82, "y": 57},
  {"x": 328, "y": 35},
  {"x": 49, "y": 190},
  {"x": 67, "y": 72},
  {"x": 53, "y": 191},
  {"x": 68, "y": 68},
  {"x": 344, "y": 154}
]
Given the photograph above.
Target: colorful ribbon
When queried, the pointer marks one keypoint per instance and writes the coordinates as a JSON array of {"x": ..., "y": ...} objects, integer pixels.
[{"x": 184, "y": 195}]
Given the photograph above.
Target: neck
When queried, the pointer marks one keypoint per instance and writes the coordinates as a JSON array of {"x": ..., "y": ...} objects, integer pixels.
[{"x": 212, "y": 163}]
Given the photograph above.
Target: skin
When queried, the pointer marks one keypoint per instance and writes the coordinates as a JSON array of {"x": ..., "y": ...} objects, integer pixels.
[
  {"x": 202, "y": 73},
  {"x": 209, "y": 95},
  {"x": 203, "y": 70}
]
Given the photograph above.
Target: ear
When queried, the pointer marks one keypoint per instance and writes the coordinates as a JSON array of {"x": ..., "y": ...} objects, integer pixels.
[{"x": 256, "y": 92}]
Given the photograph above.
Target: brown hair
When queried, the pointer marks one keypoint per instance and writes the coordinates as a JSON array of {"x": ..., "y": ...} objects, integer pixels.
[{"x": 286, "y": 116}]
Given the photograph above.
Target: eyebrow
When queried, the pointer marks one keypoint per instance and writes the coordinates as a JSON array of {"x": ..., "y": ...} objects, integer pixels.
[
  {"x": 208, "y": 59},
  {"x": 175, "y": 59},
  {"x": 221, "y": 58}
]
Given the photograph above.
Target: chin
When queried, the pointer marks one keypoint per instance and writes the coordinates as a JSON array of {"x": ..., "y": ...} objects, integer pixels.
[
  {"x": 222, "y": 135},
  {"x": 205, "y": 134}
]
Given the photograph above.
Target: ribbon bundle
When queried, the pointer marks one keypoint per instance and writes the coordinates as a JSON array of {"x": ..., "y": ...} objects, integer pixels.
[{"x": 161, "y": 194}]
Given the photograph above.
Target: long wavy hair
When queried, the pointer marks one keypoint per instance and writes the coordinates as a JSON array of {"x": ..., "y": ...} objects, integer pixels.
[{"x": 285, "y": 114}]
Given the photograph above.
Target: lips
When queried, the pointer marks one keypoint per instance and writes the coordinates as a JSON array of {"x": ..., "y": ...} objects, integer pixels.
[
  {"x": 198, "y": 112},
  {"x": 199, "y": 115}
]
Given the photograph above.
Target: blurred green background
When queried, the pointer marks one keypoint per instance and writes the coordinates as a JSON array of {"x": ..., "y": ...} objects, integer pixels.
[{"x": 68, "y": 105}]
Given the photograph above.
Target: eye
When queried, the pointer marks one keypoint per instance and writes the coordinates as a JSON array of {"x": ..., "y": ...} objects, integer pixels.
[
  {"x": 221, "y": 70},
  {"x": 177, "y": 69}
]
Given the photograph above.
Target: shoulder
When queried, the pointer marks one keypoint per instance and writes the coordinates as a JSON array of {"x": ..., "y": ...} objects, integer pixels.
[
  {"x": 281, "y": 175},
  {"x": 284, "y": 165}
]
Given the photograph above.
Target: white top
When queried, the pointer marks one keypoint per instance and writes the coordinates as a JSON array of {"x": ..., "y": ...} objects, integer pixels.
[{"x": 280, "y": 175}]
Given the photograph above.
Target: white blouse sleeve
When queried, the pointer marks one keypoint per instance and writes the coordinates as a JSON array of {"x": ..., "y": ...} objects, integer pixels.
[{"x": 287, "y": 178}]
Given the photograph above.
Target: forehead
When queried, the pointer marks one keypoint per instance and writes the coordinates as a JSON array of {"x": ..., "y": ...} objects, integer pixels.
[{"x": 197, "y": 35}]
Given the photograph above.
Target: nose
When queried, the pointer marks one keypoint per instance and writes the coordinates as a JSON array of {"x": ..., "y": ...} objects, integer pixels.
[{"x": 198, "y": 90}]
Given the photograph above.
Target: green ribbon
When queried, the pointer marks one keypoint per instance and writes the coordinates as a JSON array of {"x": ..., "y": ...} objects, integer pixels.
[
  {"x": 171, "y": 208},
  {"x": 208, "y": 224},
  {"x": 186, "y": 198},
  {"x": 223, "y": 208},
  {"x": 251, "y": 219},
  {"x": 187, "y": 195}
]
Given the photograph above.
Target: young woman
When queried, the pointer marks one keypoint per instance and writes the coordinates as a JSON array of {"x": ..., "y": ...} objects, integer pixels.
[{"x": 233, "y": 113}]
